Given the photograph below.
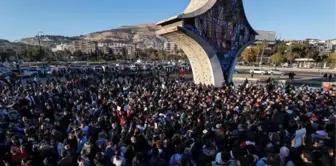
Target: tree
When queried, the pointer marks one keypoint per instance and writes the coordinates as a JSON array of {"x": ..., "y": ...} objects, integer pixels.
[
  {"x": 78, "y": 53},
  {"x": 314, "y": 54},
  {"x": 124, "y": 53},
  {"x": 7, "y": 54},
  {"x": 277, "y": 58},
  {"x": 332, "y": 60},
  {"x": 153, "y": 55},
  {"x": 318, "y": 57},
  {"x": 34, "y": 54},
  {"x": 162, "y": 56},
  {"x": 281, "y": 48},
  {"x": 67, "y": 53},
  {"x": 109, "y": 51},
  {"x": 250, "y": 55},
  {"x": 261, "y": 50},
  {"x": 300, "y": 49}
]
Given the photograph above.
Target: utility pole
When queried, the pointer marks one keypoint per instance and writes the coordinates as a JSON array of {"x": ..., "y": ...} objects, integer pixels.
[
  {"x": 96, "y": 49},
  {"x": 39, "y": 42},
  {"x": 136, "y": 51},
  {"x": 154, "y": 49},
  {"x": 262, "y": 53}
]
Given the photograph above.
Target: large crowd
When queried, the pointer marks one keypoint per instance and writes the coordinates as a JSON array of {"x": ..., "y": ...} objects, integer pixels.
[{"x": 144, "y": 119}]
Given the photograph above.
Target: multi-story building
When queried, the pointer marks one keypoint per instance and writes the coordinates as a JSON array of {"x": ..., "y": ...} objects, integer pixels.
[
  {"x": 84, "y": 46},
  {"x": 323, "y": 45},
  {"x": 333, "y": 41},
  {"x": 61, "y": 47},
  {"x": 170, "y": 47},
  {"x": 117, "y": 47},
  {"x": 114, "y": 44}
]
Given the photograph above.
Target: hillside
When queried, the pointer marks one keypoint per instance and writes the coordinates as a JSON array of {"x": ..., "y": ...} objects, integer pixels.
[
  {"x": 4, "y": 44},
  {"x": 48, "y": 41},
  {"x": 143, "y": 35}
]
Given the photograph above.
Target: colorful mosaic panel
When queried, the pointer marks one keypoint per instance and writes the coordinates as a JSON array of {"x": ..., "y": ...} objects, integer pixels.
[{"x": 224, "y": 28}]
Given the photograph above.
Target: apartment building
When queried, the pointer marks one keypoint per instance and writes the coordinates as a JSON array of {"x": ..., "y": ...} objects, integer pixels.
[
  {"x": 170, "y": 47},
  {"x": 117, "y": 47},
  {"x": 84, "y": 46},
  {"x": 61, "y": 47}
]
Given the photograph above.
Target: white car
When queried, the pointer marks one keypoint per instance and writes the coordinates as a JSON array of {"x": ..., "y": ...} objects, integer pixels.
[
  {"x": 284, "y": 65},
  {"x": 258, "y": 71},
  {"x": 275, "y": 72}
]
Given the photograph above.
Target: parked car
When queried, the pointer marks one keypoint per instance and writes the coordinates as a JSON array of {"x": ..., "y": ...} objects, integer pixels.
[
  {"x": 241, "y": 63},
  {"x": 258, "y": 71},
  {"x": 274, "y": 72},
  {"x": 284, "y": 65}
]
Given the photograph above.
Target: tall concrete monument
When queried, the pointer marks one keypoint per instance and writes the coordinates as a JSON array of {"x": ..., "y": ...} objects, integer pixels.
[{"x": 212, "y": 33}]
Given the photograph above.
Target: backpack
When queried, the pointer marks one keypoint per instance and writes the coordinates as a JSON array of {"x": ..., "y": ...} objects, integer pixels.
[{"x": 176, "y": 162}]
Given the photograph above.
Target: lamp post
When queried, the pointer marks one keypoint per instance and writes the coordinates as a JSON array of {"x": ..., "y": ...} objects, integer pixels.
[
  {"x": 39, "y": 41},
  {"x": 262, "y": 53}
]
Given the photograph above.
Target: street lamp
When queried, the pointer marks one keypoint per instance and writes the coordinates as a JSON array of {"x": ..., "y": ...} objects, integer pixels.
[{"x": 39, "y": 41}]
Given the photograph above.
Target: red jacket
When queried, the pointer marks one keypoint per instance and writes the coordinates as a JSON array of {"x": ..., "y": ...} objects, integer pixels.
[{"x": 16, "y": 159}]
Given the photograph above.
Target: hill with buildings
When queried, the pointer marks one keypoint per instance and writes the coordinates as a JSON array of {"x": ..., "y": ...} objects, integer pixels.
[
  {"x": 49, "y": 41},
  {"x": 142, "y": 36}
]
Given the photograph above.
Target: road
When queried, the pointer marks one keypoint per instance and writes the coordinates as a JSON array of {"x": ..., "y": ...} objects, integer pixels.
[
  {"x": 301, "y": 70},
  {"x": 298, "y": 73}
]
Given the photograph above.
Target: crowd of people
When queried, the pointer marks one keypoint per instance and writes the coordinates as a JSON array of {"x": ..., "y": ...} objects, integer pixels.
[{"x": 144, "y": 119}]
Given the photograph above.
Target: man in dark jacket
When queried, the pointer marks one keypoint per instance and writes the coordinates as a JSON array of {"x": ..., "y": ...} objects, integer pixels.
[{"x": 66, "y": 159}]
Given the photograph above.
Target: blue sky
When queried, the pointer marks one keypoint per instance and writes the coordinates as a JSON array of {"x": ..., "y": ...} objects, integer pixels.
[{"x": 291, "y": 19}]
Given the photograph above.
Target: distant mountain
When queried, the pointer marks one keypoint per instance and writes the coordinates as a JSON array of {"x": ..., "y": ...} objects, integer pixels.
[
  {"x": 48, "y": 41},
  {"x": 4, "y": 44},
  {"x": 142, "y": 35}
]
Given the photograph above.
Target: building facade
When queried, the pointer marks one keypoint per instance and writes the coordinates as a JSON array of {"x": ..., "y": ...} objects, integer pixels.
[
  {"x": 117, "y": 47},
  {"x": 84, "y": 46},
  {"x": 61, "y": 47},
  {"x": 170, "y": 47}
]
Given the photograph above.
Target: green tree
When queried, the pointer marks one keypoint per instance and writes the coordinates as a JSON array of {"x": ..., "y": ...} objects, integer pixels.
[
  {"x": 162, "y": 55},
  {"x": 319, "y": 57},
  {"x": 281, "y": 48},
  {"x": 153, "y": 55},
  {"x": 261, "y": 51},
  {"x": 332, "y": 60},
  {"x": 7, "y": 54},
  {"x": 277, "y": 58},
  {"x": 299, "y": 49},
  {"x": 37, "y": 54},
  {"x": 78, "y": 54},
  {"x": 109, "y": 51},
  {"x": 250, "y": 55},
  {"x": 124, "y": 53}
]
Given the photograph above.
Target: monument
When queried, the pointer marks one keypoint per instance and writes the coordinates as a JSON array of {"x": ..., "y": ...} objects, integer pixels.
[{"x": 212, "y": 33}]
